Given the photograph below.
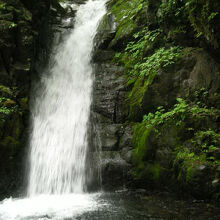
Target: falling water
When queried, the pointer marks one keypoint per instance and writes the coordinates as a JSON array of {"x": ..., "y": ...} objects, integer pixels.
[
  {"x": 61, "y": 112},
  {"x": 58, "y": 143}
]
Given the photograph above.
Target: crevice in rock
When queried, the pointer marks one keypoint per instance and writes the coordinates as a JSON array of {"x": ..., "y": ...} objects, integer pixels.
[{"x": 6, "y": 66}]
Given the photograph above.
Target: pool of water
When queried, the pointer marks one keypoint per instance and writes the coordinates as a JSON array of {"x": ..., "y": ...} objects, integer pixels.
[
  {"x": 107, "y": 206},
  {"x": 123, "y": 206}
]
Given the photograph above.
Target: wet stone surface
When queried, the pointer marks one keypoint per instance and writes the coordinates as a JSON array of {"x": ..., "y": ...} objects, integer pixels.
[{"x": 124, "y": 206}]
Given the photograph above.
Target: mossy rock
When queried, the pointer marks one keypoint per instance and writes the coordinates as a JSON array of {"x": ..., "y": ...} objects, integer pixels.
[
  {"x": 183, "y": 144},
  {"x": 5, "y": 91},
  {"x": 9, "y": 103},
  {"x": 105, "y": 32},
  {"x": 135, "y": 99},
  {"x": 10, "y": 145},
  {"x": 143, "y": 150},
  {"x": 125, "y": 24},
  {"x": 23, "y": 102},
  {"x": 8, "y": 17}
]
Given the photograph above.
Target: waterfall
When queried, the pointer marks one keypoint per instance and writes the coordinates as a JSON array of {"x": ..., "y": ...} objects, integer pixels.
[
  {"x": 58, "y": 143},
  {"x": 59, "y": 117}
]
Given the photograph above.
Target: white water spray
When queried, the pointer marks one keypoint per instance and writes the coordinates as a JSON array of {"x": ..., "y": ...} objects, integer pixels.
[{"x": 61, "y": 113}]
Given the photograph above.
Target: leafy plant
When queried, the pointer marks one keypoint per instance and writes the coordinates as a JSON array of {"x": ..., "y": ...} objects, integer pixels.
[
  {"x": 162, "y": 58},
  {"x": 4, "y": 109},
  {"x": 2, "y": 6},
  {"x": 12, "y": 24},
  {"x": 178, "y": 114}
]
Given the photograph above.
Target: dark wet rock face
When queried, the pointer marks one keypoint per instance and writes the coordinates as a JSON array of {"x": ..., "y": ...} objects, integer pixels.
[
  {"x": 196, "y": 70},
  {"x": 114, "y": 170},
  {"x": 109, "y": 92},
  {"x": 20, "y": 23},
  {"x": 177, "y": 93},
  {"x": 108, "y": 108}
]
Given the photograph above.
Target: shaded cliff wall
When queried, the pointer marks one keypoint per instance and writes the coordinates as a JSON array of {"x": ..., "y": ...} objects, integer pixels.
[
  {"x": 20, "y": 27},
  {"x": 158, "y": 77}
]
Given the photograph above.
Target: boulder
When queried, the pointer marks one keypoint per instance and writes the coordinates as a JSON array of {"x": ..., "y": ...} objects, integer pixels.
[
  {"x": 196, "y": 70},
  {"x": 114, "y": 170}
]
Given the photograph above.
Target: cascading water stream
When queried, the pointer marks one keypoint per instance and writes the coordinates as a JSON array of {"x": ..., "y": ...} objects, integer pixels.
[{"x": 61, "y": 112}]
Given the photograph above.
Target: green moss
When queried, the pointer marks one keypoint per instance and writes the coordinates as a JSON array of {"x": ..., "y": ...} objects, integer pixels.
[
  {"x": 9, "y": 103},
  {"x": 5, "y": 91},
  {"x": 144, "y": 168},
  {"x": 203, "y": 17},
  {"x": 184, "y": 131},
  {"x": 135, "y": 97},
  {"x": 123, "y": 31},
  {"x": 155, "y": 36},
  {"x": 140, "y": 137},
  {"x": 24, "y": 103},
  {"x": 156, "y": 170},
  {"x": 188, "y": 165},
  {"x": 7, "y": 106},
  {"x": 26, "y": 15},
  {"x": 125, "y": 12},
  {"x": 142, "y": 70},
  {"x": 5, "y": 25},
  {"x": 10, "y": 144}
]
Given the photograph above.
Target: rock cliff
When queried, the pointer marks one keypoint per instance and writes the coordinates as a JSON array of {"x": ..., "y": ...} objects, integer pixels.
[
  {"x": 20, "y": 27},
  {"x": 155, "y": 111},
  {"x": 156, "y": 95}
]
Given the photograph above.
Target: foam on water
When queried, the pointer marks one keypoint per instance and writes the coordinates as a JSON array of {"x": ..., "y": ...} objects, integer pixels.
[{"x": 54, "y": 207}]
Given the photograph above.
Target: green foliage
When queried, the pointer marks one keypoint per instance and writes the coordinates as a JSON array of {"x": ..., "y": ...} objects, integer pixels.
[
  {"x": 172, "y": 8},
  {"x": 201, "y": 15},
  {"x": 144, "y": 69},
  {"x": 135, "y": 97},
  {"x": 134, "y": 56},
  {"x": 140, "y": 65},
  {"x": 6, "y": 91},
  {"x": 12, "y": 25},
  {"x": 209, "y": 142},
  {"x": 153, "y": 36},
  {"x": 177, "y": 114},
  {"x": 2, "y": 6},
  {"x": 5, "y": 110},
  {"x": 5, "y": 25},
  {"x": 126, "y": 13},
  {"x": 127, "y": 9},
  {"x": 162, "y": 58},
  {"x": 189, "y": 161},
  {"x": 143, "y": 40},
  {"x": 194, "y": 142}
]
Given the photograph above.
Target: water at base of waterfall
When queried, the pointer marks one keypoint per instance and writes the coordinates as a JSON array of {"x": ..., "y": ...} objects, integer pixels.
[
  {"x": 42, "y": 207},
  {"x": 107, "y": 206}
]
